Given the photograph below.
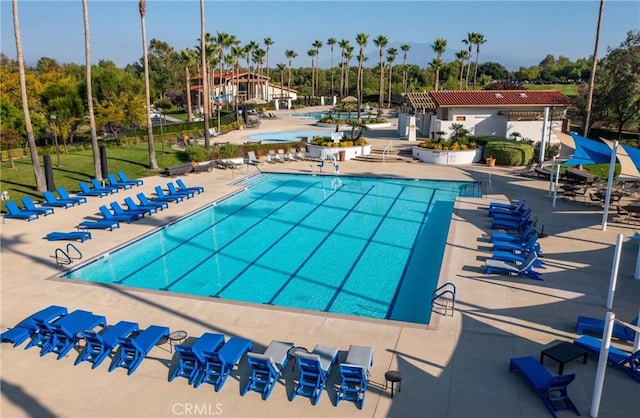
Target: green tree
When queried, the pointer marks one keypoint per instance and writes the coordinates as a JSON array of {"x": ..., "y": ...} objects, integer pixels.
[
  {"x": 494, "y": 70},
  {"x": 405, "y": 51},
  {"x": 438, "y": 46},
  {"x": 331, "y": 42},
  {"x": 381, "y": 42},
  {"x": 361, "y": 40},
  {"x": 312, "y": 53},
  {"x": 267, "y": 43},
  {"x": 469, "y": 43},
  {"x": 617, "y": 90},
  {"x": 437, "y": 64},
  {"x": 290, "y": 54},
  {"x": 478, "y": 40},
  {"x": 391, "y": 57},
  {"x": 41, "y": 185},
  {"x": 317, "y": 45},
  {"x": 343, "y": 44},
  {"x": 461, "y": 56},
  {"x": 164, "y": 69}
]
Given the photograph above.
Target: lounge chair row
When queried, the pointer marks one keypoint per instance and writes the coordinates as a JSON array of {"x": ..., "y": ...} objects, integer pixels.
[
  {"x": 210, "y": 359},
  {"x": 55, "y": 330},
  {"x": 113, "y": 186},
  {"x": 517, "y": 251},
  {"x": 280, "y": 156}
]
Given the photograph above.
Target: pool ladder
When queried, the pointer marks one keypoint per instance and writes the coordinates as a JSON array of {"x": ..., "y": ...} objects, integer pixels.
[
  {"x": 444, "y": 295},
  {"x": 64, "y": 257}
]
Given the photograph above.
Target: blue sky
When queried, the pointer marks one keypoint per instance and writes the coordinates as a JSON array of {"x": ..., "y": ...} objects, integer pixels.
[{"x": 518, "y": 33}]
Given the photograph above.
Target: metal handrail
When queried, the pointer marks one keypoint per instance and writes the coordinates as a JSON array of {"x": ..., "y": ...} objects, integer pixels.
[
  {"x": 441, "y": 292},
  {"x": 386, "y": 150},
  {"x": 63, "y": 257}
]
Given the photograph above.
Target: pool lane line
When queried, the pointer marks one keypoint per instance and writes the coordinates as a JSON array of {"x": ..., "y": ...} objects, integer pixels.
[
  {"x": 311, "y": 253},
  {"x": 362, "y": 251},
  {"x": 394, "y": 300},
  {"x": 263, "y": 253}
]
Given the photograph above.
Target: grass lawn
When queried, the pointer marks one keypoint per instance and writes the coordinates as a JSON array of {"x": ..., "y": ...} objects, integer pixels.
[
  {"x": 570, "y": 90},
  {"x": 77, "y": 166}
]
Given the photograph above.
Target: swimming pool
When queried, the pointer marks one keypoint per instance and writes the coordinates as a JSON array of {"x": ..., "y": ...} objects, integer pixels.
[
  {"x": 350, "y": 245},
  {"x": 334, "y": 115},
  {"x": 288, "y": 136}
]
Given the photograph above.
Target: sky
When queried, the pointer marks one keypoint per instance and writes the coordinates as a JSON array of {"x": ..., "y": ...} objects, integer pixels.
[{"x": 517, "y": 33}]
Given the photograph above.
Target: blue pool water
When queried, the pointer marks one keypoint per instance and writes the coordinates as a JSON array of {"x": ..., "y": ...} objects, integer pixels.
[
  {"x": 288, "y": 136},
  {"x": 349, "y": 245},
  {"x": 335, "y": 115}
]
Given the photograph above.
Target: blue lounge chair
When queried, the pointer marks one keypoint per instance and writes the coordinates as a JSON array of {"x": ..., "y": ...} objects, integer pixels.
[
  {"x": 314, "y": 370},
  {"x": 102, "y": 224},
  {"x": 85, "y": 190},
  {"x": 30, "y": 206},
  {"x": 98, "y": 186},
  {"x": 515, "y": 216},
  {"x": 15, "y": 212},
  {"x": 162, "y": 197},
  {"x": 107, "y": 215},
  {"x": 133, "y": 206},
  {"x": 596, "y": 326},
  {"x": 520, "y": 268},
  {"x": 182, "y": 186},
  {"x": 517, "y": 257},
  {"x": 64, "y": 195},
  {"x": 173, "y": 190},
  {"x": 28, "y": 326},
  {"x": 191, "y": 359},
  {"x": 69, "y": 236},
  {"x": 506, "y": 208},
  {"x": 124, "y": 179},
  {"x": 531, "y": 244},
  {"x": 50, "y": 200},
  {"x": 113, "y": 181},
  {"x": 513, "y": 205},
  {"x": 512, "y": 224},
  {"x": 218, "y": 364},
  {"x": 354, "y": 374},
  {"x": 551, "y": 389},
  {"x": 267, "y": 368},
  {"x": 66, "y": 331},
  {"x": 120, "y": 211},
  {"x": 100, "y": 345},
  {"x": 621, "y": 360},
  {"x": 516, "y": 237},
  {"x": 145, "y": 201},
  {"x": 134, "y": 350}
]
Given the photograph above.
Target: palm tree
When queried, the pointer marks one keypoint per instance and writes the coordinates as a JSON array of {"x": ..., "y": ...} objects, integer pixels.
[
  {"x": 190, "y": 60},
  {"x": 249, "y": 48},
  {"x": 469, "y": 43},
  {"x": 290, "y": 54},
  {"x": 237, "y": 52},
  {"x": 331, "y": 42},
  {"x": 281, "y": 68},
  {"x": 41, "y": 184},
  {"x": 438, "y": 46},
  {"x": 381, "y": 42},
  {"x": 312, "y": 53},
  {"x": 258, "y": 58},
  {"x": 436, "y": 64},
  {"x": 205, "y": 76},
  {"x": 361, "y": 39},
  {"x": 462, "y": 55},
  {"x": 347, "y": 56},
  {"x": 153, "y": 163},
  {"x": 97, "y": 165},
  {"x": 317, "y": 45},
  {"x": 391, "y": 57},
  {"x": 268, "y": 42},
  {"x": 343, "y": 44},
  {"x": 592, "y": 78},
  {"x": 477, "y": 40},
  {"x": 405, "y": 49}
]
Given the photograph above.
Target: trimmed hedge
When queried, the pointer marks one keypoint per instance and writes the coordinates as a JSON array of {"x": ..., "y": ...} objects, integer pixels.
[{"x": 505, "y": 151}]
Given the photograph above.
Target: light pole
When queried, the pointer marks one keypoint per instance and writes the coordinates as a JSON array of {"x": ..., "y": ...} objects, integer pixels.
[
  {"x": 161, "y": 132},
  {"x": 55, "y": 137}
]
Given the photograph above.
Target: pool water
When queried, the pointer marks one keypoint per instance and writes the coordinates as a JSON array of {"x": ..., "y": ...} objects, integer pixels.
[
  {"x": 350, "y": 245},
  {"x": 334, "y": 115},
  {"x": 288, "y": 136}
]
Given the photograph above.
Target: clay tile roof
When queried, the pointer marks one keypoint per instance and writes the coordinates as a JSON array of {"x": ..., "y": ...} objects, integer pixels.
[{"x": 493, "y": 98}]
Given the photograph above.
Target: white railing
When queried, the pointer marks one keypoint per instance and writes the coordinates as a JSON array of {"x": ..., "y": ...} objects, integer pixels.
[{"x": 386, "y": 150}]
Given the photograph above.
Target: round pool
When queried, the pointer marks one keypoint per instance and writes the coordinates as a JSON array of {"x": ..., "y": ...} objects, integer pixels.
[{"x": 287, "y": 136}]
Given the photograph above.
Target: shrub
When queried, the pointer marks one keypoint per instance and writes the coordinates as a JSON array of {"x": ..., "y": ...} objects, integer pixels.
[
  {"x": 195, "y": 153},
  {"x": 508, "y": 152}
]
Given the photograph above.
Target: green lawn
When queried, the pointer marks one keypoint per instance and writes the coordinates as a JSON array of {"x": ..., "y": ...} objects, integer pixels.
[
  {"x": 570, "y": 90},
  {"x": 77, "y": 166}
]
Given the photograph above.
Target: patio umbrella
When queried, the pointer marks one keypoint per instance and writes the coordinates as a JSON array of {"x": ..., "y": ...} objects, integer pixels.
[
  {"x": 349, "y": 99},
  {"x": 254, "y": 101}
]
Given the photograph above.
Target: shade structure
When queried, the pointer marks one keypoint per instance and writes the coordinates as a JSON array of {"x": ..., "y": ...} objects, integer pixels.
[
  {"x": 349, "y": 99},
  {"x": 254, "y": 101},
  {"x": 629, "y": 159}
]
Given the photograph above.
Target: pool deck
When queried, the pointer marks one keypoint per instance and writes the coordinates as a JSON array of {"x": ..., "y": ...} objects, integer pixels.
[{"x": 456, "y": 367}]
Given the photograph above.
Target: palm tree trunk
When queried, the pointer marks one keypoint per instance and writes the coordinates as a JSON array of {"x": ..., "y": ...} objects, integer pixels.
[
  {"x": 205, "y": 75},
  {"x": 41, "y": 184},
  {"x": 153, "y": 163},
  {"x": 592, "y": 78},
  {"x": 187, "y": 77},
  {"x": 97, "y": 164},
  {"x": 390, "y": 70}
]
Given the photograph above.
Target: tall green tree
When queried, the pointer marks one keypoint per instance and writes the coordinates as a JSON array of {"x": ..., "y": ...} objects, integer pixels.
[
  {"x": 290, "y": 54},
  {"x": 469, "y": 43},
  {"x": 189, "y": 59},
  {"x": 478, "y": 40},
  {"x": 343, "y": 44},
  {"x": 617, "y": 91},
  {"x": 331, "y": 42},
  {"x": 41, "y": 185},
  {"x": 391, "y": 57},
  {"x": 205, "y": 76},
  {"x": 153, "y": 163},
  {"x": 381, "y": 42},
  {"x": 361, "y": 40},
  {"x": 312, "y": 53},
  {"x": 97, "y": 164},
  {"x": 438, "y": 46},
  {"x": 405, "y": 51},
  {"x": 281, "y": 68},
  {"x": 461, "y": 56},
  {"x": 317, "y": 45},
  {"x": 267, "y": 43}
]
